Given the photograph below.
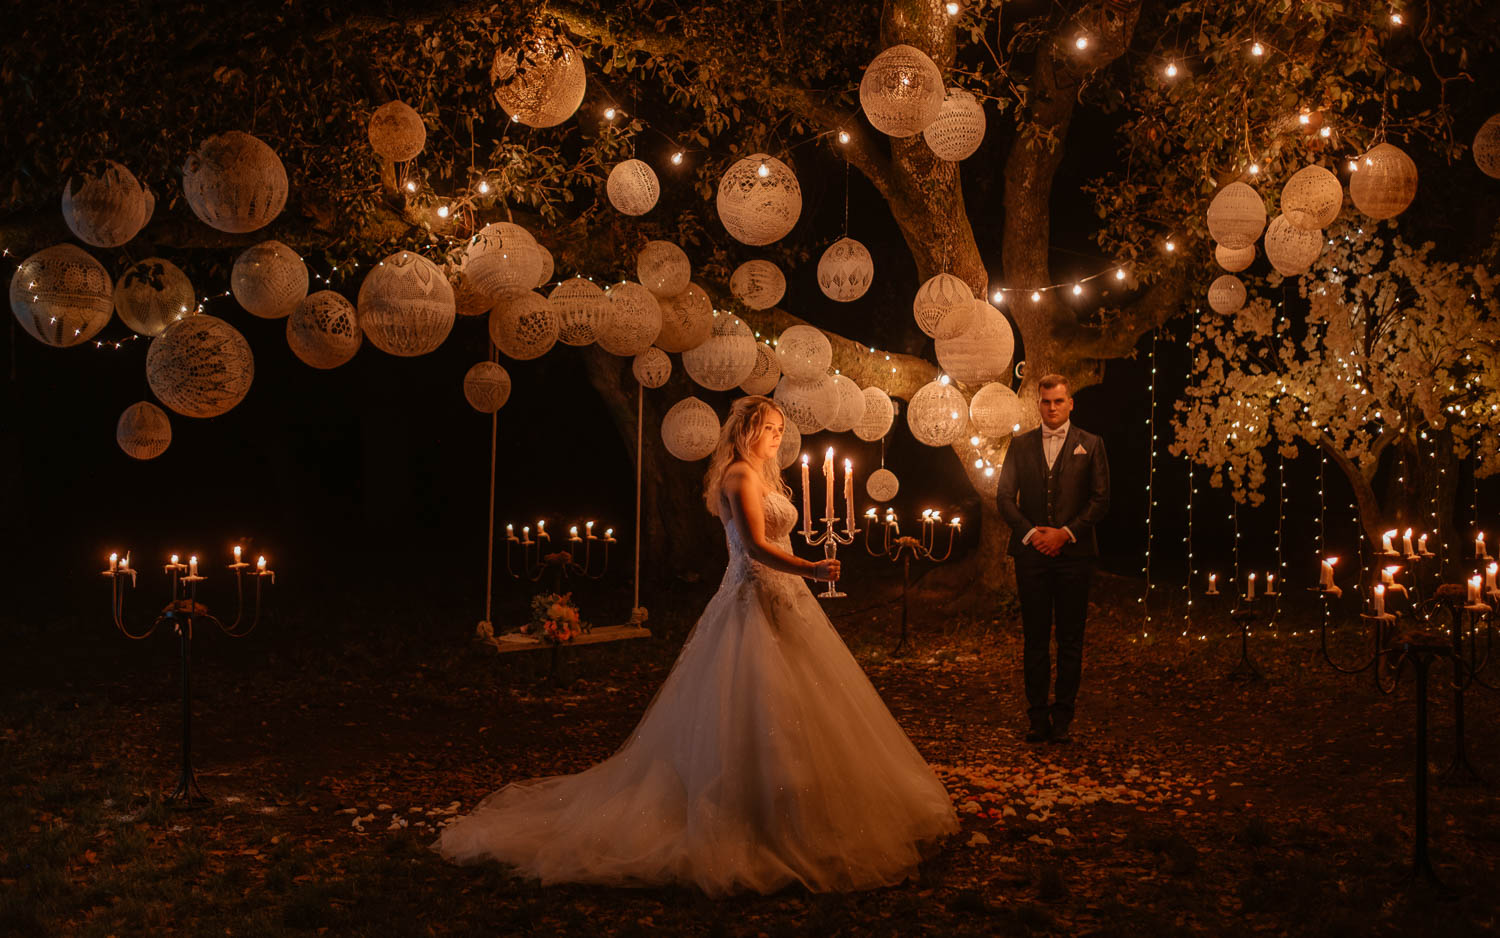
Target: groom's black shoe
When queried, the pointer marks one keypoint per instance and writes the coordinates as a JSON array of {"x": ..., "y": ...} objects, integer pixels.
[
  {"x": 1039, "y": 733},
  {"x": 1059, "y": 729}
]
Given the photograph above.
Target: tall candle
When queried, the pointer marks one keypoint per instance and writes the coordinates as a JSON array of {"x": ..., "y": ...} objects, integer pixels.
[
  {"x": 1270, "y": 584},
  {"x": 1379, "y": 599},
  {"x": 828, "y": 483},
  {"x": 1212, "y": 579},
  {"x": 1422, "y": 544},
  {"x": 261, "y": 564},
  {"x": 1388, "y": 575},
  {"x": 236, "y": 553},
  {"x": 1385, "y": 542},
  {"x": 193, "y": 565},
  {"x": 125, "y": 562},
  {"x": 1406, "y": 543},
  {"x": 1479, "y": 546},
  {"x": 1489, "y": 576},
  {"x": 1473, "y": 589},
  {"x": 806, "y": 497},
  {"x": 1327, "y": 582},
  {"x": 849, "y": 493},
  {"x": 114, "y": 563},
  {"x": 1250, "y": 589}
]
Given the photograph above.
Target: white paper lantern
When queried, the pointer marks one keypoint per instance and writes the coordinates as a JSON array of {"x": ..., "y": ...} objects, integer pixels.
[
  {"x": 1384, "y": 183},
  {"x": 982, "y": 352},
  {"x": 1236, "y": 216},
  {"x": 725, "y": 358},
  {"x": 107, "y": 208},
  {"x": 61, "y": 295},
  {"x": 845, "y": 270},
  {"x": 1290, "y": 249},
  {"x": 542, "y": 84},
  {"x": 581, "y": 309},
  {"x": 851, "y": 405},
  {"x": 634, "y": 320},
  {"x": 502, "y": 260},
  {"x": 808, "y": 404},
  {"x": 487, "y": 387},
  {"x": 882, "y": 485},
  {"x": 937, "y": 413},
  {"x": 468, "y": 299},
  {"x": 995, "y": 410},
  {"x": 663, "y": 268},
  {"x": 1311, "y": 199},
  {"x": 1226, "y": 294},
  {"x": 397, "y": 132},
  {"x": 143, "y": 431},
  {"x": 791, "y": 445},
  {"x": 548, "y": 266},
  {"x": 632, "y": 187},
  {"x": 759, "y": 200},
  {"x": 269, "y": 279},
  {"x": 200, "y": 366},
  {"x": 944, "y": 307},
  {"x": 804, "y": 352},
  {"x": 765, "y": 374},
  {"x": 234, "y": 182},
  {"x": 902, "y": 91},
  {"x": 523, "y": 327},
  {"x": 323, "y": 331},
  {"x": 690, "y": 429},
  {"x": 652, "y": 367},
  {"x": 1487, "y": 147},
  {"x": 879, "y": 413},
  {"x": 958, "y": 129},
  {"x": 758, "y": 284},
  {"x": 153, "y": 293},
  {"x": 1234, "y": 260},
  {"x": 406, "y": 305},
  {"x": 687, "y": 319}
]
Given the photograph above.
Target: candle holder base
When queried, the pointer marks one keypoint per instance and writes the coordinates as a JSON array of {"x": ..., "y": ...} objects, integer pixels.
[
  {"x": 187, "y": 796},
  {"x": 831, "y": 593},
  {"x": 1246, "y": 669}
]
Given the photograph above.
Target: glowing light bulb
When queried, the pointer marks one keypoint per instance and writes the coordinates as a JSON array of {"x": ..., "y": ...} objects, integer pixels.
[
  {"x": 1036, "y": 296},
  {"x": 484, "y": 187},
  {"x": 1082, "y": 42},
  {"x": 411, "y": 186},
  {"x": 997, "y": 296},
  {"x": 1304, "y": 118},
  {"x": 1171, "y": 246},
  {"x": 973, "y": 441},
  {"x": 952, "y": 9},
  {"x": 677, "y": 158},
  {"x": 1353, "y": 166},
  {"x": 1326, "y": 132},
  {"x": 1257, "y": 49},
  {"x": 1171, "y": 69},
  {"x": 1120, "y": 273},
  {"x": 442, "y": 211},
  {"x": 609, "y": 113},
  {"x": 1396, "y": 19},
  {"x": 843, "y": 136},
  {"x": 1254, "y": 169},
  {"x": 762, "y": 170},
  {"x": 944, "y": 380},
  {"x": 1077, "y": 289}
]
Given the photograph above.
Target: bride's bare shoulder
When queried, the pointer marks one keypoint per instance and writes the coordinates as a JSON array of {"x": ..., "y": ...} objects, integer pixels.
[{"x": 740, "y": 476}]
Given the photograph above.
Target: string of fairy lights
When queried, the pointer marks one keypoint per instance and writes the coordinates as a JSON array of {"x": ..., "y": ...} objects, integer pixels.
[{"x": 1150, "y": 487}]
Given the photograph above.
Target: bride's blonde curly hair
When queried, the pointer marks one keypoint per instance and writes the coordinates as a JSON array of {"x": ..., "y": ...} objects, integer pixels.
[{"x": 742, "y": 428}]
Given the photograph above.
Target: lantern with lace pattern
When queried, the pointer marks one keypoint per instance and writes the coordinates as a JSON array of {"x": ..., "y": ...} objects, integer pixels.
[
  {"x": 143, "y": 431},
  {"x": 690, "y": 429},
  {"x": 765, "y": 374},
  {"x": 542, "y": 83},
  {"x": 995, "y": 410},
  {"x": 937, "y": 413},
  {"x": 397, "y": 132},
  {"x": 502, "y": 260},
  {"x": 1234, "y": 260},
  {"x": 652, "y": 367},
  {"x": 758, "y": 284},
  {"x": 663, "y": 268},
  {"x": 406, "y": 305},
  {"x": 61, "y": 296},
  {"x": 1311, "y": 199},
  {"x": 1384, "y": 182},
  {"x": 1290, "y": 249},
  {"x": 581, "y": 309},
  {"x": 200, "y": 366},
  {"x": 687, "y": 319},
  {"x": 1487, "y": 147},
  {"x": 944, "y": 307},
  {"x": 234, "y": 182},
  {"x": 851, "y": 405},
  {"x": 1236, "y": 216},
  {"x": 523, "y": 327},
  {"x": 804, "y": 352},
  {"x": 845, "y": 270},
  {"x": 632, "y": 187},
  {"x": 487, "y": 387},
  {"x": 153, "y": 293},
  {"x": 791, "y": 445},
  {"x": 808, "y": 404},
  {"x": 469, "y": 300},
  {"x": 759, "y": 199},
  {"x": 323, "y": 331},
  {"x": 105, "y": 208},
  {"x": 725, "y": 358},
  {"x": 634, "y": 320},
  {"x": 544, "y": 276},
  {"x": 878, "y": 415},
  {"x": 269, "y": 279},
  {"x": 882, "y": 485},
  {"x": 1226, "y": 294},
  {"x": 982, "y": 352},
  {"x": 902, "y": 91},
  {"x": 958, "y": 129}
]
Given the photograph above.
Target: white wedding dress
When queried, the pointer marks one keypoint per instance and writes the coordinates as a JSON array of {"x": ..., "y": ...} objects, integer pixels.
[{"x": 765, "y": 759}]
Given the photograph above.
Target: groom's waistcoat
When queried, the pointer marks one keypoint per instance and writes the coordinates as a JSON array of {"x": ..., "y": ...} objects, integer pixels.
[{"x": 1073, "y": 493}]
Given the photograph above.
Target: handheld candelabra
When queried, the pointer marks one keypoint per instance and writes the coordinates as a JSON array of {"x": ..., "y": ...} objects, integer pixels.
[
  {"x": 830, "y": 538},
  {"x": 904, "y": 548}
]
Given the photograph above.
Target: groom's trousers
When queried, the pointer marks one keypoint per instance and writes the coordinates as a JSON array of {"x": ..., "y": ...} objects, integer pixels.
[{"x": 1052, "y": 589}]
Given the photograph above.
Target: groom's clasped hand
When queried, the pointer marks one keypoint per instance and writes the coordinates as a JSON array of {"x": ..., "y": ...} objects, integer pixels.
[{"x": 1049, "y": 541}]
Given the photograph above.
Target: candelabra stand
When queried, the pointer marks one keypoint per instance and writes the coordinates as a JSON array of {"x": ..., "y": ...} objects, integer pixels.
[
  {"x": 1382, "y": 626},
  {"x": 829, "y": 540},
  {"x": 896, "y": 547},
  {"x": 1454, "y": 599},
  {"x": 1246, "y": 616},
  {"x": 1420, "y": 650},
  {"x": 562, "y": 563}
]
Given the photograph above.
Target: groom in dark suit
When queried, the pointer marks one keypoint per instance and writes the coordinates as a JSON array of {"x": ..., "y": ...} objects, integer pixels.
[{"x": 1054, "y": 488}]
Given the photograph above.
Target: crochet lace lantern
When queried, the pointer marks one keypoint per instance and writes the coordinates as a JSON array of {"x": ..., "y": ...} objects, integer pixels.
[
  {"x": 406, "y": 305},
  {"x": 851, "y": 405},
  {"x": 487, "y": 387},
  {"x": 958, "y": 129},
  {"x": 845, "y": 270},
  {"x": 759, "y": 200},
  {"x": 1311, "y": 199},
  {"x": 982, "y": 352},
  {"x": 804, "y": 352},
  {"x": 725, "y": 358},
  {"x": 634, "y": 320},
  {"x": 542, "y": 83},
  {"x": 808, "y": 404},
  {"x": 468, "y": 299},
  {"x": 1236, "y": 216},
  {"x": 879, "y": 413},
  {"x": 791, "y": 445},
  {"x": 937, "y": 413},
  {"x": 663, "y": 268},
  {"x": 690, "y": 429},
  {"x": 153, "y": 293},
  {"x": 995, "y": 410},
  {"x": 1384, "y": 183},
  {"x": 544, "y": 276},
  {"x": 765, "y": 374},
  {"x": 502, "y": 260},
  {"x": 687, "y": 319},
  {"x": 1487, "y": 147},
  {"x": 397, "y": 132},
  {"x": 107, "y": 208},
  {"x": 902, "y": 91},
  {"x": 200, "y": 366},
  {"x": 143, "y": 431},
  {"x": 523, "y": 327},
  {"x": 758, "y": 284},
  {"x": 234, "y": 182},
  {"x": 1226, "y": 294},
  {"x": 1234, "y": 260},
  {"x": 944, "y": 307},
  {"x": 581, "y": 309},
  {"x": 61, "y": 296},
  {"x": 882, "y": 485},
  {"x": 632, "y": 187},
  {"x": 269, "y": 279},
  {"x": 652, "y": 367},
  {"x": 323, "y": 331},
  {"x": 1290, "y": 249}
]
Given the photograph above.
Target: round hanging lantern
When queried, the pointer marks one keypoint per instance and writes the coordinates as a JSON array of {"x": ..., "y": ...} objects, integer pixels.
[
  {"x": 1290, "y": 249},
  {"x": 234, "y": 182},
  {"x": 958, "y": 129},
  {"x": 502, "y": 260},
  {"x": 845, "y": 270},
  {"x": 151, "y": 294},
  {"x": 765, "y": 374},
  {"x": 663, "y": 268},
  {"x": 791, "y": 443},
  {"x": 1311, "y": 199},
  {"x": 397, "y": 132},
  {"x": 725, "y": 358},
  {"x": 269, "y": 279},
  {"x": 634, "y": 320},
  {"x": 882, "y": 485},
  {"x": 581, "y": 309},
  {"x": 107, "y": 208},
  {"x": 61, "y": 295},
  {"x": 902, "y": 91},
  {"x": 652, "y": 367},
  {"x": 1385, "y": 182},
  {"x": 995, "y": 410},
  {"x": 541, "y": 84},
  {"x": 1487, "y": 147},
  {"x": 759, "y": 199},
  {"x": 851, "y": 405},
  {"x": 487, "y": 387},
  {"x": 548, "y": 266},
  {"x": 878, "y": 415},
  {"x": 143, "y": 431},
  {"x": 690, "y": 429},
  {"x": 469, "y": 300},
  {"x": 1226, "y": 294},
  {"x": 523, "y": 327},
  {"x": 944, "y": 307},
  {"x": 687, "y": 320},
  {"x": 1236, "y": 216},
  {"x": 200, "y": 366},
  {"x": 632, "y": 187},
  {"x": 406, "y": 305},
  {"x": 758, "y": 284},
  {"x": 982, "y": 352},
  {"x": 936, "y": 413},
  {"x": 323, "y": 331},
  {"x": 804, "y": 352},
  {"x": 1234, "y": 260},
  {"x": 808, "y": 404}
]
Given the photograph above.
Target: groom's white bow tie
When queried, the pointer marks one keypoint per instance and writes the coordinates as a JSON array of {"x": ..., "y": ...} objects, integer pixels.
[{"x": 1057, "y": 434}]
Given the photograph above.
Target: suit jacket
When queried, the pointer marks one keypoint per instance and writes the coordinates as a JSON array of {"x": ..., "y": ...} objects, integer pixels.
[{"x": 1073, "y": 494}]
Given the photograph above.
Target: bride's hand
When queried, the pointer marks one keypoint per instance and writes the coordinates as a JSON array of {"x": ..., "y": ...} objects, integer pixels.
[{"x": 826, "y": 570}]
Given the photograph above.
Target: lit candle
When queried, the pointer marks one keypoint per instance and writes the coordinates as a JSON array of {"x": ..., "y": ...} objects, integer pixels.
[
  {"x": 1327, "y": 582},
  {"x": 1406, "y": 544},
  {"x": 510, "y": 532},
  {"x": 806, "y": 497},
  {"x": 1385, "y": 542},
  {"x": 954, "y": 522},
  {"x": 541, "y": 531},
  {"x": 125, "y": 562},
  {"x": 849, "y": 494},
  {"x": 114, "y": 563},
  {"x": 1388, "y": 575},
  {"x": 828, "y": 484},
  {"x": 573, "y": 533},
  {"x": 1379, "y": 599},
  {"x": 1479, "y": 546},
  {"x": 1489, "y": 577},
  {"x": 1422, "y": 545},
  {"x": 609, "y": 534},
  {"x": 1250, "y": 589},
  {"x": 175, "y": 564},
  {"x": 260, "y": 565},
  {"x": 526, "y": 534},
  {"x": 193, "y": 565},
  {"x": 1473, "y": 589},
  {"x": 588, "y": 530},
  {"x": 1213, "y": 578},
  {"x": 1270, "y": 584}
]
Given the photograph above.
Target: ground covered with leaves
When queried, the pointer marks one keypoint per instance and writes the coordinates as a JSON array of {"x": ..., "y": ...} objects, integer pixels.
[{"x": 334, "y": 743}]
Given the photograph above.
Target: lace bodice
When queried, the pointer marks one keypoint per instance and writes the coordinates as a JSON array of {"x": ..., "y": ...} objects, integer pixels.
[{"x": 780, "y": 519}]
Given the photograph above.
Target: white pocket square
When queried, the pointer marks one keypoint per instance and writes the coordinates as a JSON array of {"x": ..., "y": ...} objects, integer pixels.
[{"x": 1080, "y": 451}]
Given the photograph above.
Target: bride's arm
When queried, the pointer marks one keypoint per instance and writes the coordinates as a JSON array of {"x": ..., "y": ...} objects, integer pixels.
[{"x": 743, "y": 490}]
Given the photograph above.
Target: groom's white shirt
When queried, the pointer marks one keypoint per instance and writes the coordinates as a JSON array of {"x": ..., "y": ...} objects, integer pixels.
[{"x": 1052, "y": 444}]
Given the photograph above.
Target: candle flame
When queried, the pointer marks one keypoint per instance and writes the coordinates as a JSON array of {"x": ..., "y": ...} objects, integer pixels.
[
  {"x": 1392, "y": 569},
  {"x": 1408, "y": 533},
  {"x": 174, "y": 558},
  {"x": 804, "y": 459},
  {"x": 236, "y": 553},
  {"x": 260, "y": 564},
  {"x": 1379, "y": 589},
  {"x": 113, "y": 558}
]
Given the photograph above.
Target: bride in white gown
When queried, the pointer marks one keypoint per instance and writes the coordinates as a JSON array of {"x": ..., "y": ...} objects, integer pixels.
[{"x": 765, "y": 759}]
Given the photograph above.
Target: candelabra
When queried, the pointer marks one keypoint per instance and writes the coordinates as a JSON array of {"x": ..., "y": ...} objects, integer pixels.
[
  {"x": 830, "y": 538},
  {"x": 535, "y": 560},
  {"x": 182, "y": 612},
  {"x": 905, "y": 547}
]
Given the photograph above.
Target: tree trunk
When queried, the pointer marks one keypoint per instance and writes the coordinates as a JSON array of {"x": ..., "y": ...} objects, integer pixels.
[{"x": 1420, "y": 493}]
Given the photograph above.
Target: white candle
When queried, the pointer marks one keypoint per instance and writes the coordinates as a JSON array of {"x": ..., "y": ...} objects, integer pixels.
[
  {"x": 1388, "y": 576},
  {"x": 1327, "y": 582},
  {"x": 828, "y": 483},
  {"x": 526, "y": 534},
  {"x": 849, "y": 493},
  {"x": 114, "y": 563},
  {"x": 1479, "y": 546},
  {"x": 1406, "y": 543},
  {"x": 956, "y": 525},
  {"x": 1379, "y": 599},
  {"x": 541, "y": 531},
  {"x": 261, "y": 565},
  {"x": 588, "y": 530},
  {"x": 609, "y": 534},
  {"x": 193, "y": 565},
  {"x": 573, "y": 533},
  {"x": 806, "y": 497},
  {"x": 1250, "y": 589},
  {"x": 1422, "y": 544},
  {"x": 236, "y": 553},
  {"x": 1385, "y": 542},
  {"x": 1270, "y": 584},
  {"x": 1489, "y": 576},
  {"x": 1473, "y": 589},
  {"x": 125, "y": 562},
  {"x": 175, "y": 565},
  {"x": 1213, "y": 578}
]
